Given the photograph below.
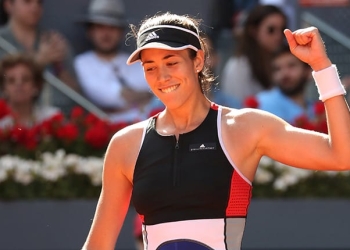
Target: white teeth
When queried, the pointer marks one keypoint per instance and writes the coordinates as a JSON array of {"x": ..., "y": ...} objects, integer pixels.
[{"x": 170, "y": 89}]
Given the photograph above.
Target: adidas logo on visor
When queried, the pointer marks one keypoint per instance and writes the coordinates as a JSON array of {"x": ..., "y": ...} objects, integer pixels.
[{"x": 151, "y": 36}]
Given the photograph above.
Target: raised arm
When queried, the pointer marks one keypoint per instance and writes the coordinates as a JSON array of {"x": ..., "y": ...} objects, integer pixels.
[
  {"x": 308, "y": 149},
  {"x": 115, "y": 196}
]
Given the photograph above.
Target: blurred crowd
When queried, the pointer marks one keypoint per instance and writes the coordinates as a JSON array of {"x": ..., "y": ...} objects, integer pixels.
[{"x": 253, "y": 69}]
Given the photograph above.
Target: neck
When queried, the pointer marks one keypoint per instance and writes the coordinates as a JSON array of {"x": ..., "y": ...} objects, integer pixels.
[
  {"x": 184, "y": 119},
  {"x": 25, "y": 34}
]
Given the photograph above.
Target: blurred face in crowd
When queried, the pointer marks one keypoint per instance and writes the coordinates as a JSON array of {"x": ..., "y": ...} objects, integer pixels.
[
  {"x": 19, "y": 86},
  {"x": 25, "y": 12},
  {"x": 270, "y": 32},
  {"x": 105, "y": 38},
  {"x": 290, "y": 74}
]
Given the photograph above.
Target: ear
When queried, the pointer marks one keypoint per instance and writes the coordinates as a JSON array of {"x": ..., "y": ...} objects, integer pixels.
[{"x": 199, "y": 61}]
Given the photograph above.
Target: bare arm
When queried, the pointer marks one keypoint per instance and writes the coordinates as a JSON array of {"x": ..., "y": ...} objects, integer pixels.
[
  {"x": 115, "y": 195},
  {"x": 307, "y": 149}
]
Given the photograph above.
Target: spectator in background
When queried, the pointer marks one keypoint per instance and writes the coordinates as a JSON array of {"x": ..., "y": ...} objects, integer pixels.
[
  {"x": 248, "y": 71},
  {"x": 226, "y": 19},
  {"x": 106, "y": 80},
  {"x": 287, "y": 99},
  {"x": 21, "y": 81},
  {"x": 50, "y": 49},
  {"x": 216, "y": 94}
]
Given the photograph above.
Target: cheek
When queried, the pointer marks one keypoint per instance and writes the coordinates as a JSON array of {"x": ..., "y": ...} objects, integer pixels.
[
  {"x": 276, "y": 77},
  {"x": 263, "y": 39},
  {"x": 150, "y": 79}
]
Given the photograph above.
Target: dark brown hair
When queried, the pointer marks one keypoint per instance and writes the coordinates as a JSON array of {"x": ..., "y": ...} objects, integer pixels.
[{"x": 259, "y": 59}]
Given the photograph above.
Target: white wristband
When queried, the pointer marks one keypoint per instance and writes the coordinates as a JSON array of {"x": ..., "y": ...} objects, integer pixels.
[{"x": 328, "y": 83}]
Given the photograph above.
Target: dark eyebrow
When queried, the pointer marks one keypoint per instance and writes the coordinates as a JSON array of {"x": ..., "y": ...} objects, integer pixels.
[{"x": 164, "y": 58}]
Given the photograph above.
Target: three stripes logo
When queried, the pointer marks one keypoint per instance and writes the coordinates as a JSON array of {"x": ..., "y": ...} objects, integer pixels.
[{"x": 152, "y": 35}]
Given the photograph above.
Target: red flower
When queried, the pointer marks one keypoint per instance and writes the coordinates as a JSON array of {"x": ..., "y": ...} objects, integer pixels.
[
  {"x": 303, "y": 122},
  {"x": 58, "y": 118},
  {"x": 77, "y": 113},
  {"x": 319, "y": 108},
  {"x": 31, "y": 138},
  {"x": 251, "y": 102},
  {"x": 97, "y": 136},
  {"x": 68, "y": 132},
  {"x": 4, "y": 109},
  {"x": 114, "y": 127},
  {"x": 47, "y": 127},
  {"x": 18, "y": 134},
  {"x": 91, "y": 120},
  {"x": 322, "y": 126}
]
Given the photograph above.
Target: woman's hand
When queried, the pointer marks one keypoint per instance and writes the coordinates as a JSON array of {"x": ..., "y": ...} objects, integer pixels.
[{"x": 307, "y": 45}]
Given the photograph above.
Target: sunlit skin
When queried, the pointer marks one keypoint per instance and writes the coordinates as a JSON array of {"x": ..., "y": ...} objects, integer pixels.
[
  {"x": 247, "y": 134},
  {"x": 173, "y": 78}
]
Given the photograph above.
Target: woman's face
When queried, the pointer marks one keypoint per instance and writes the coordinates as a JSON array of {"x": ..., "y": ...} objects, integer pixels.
[
  {"x": 27, "y": 12},
  {"x": 270, "y": 32},
  {"x": 19, "y": 86},
  {"x": 172, "y": 75}
]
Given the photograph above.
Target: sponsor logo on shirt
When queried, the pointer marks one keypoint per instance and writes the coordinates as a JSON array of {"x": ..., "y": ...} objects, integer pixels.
[{"x": 203, "y": 146}]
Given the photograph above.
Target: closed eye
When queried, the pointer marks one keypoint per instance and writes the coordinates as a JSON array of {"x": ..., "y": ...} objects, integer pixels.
[
  {"x": 172, "y": 63},
  {"x": 149, "y": 69}
]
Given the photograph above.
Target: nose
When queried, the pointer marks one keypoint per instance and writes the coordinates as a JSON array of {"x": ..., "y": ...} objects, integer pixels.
[{"x": 163, "y": 74}]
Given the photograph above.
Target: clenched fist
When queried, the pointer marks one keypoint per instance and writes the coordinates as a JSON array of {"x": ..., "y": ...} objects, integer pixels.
[{"x": 307, "y": 45}]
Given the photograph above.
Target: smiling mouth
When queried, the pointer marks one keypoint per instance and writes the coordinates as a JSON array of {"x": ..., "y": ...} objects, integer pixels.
[{"x": 170, "y": 89}]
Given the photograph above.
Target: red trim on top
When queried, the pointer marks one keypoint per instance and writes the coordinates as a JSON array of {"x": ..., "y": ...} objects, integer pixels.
[
  {"x": 214, "y": 106},
  {"x": 142, "y": 217},
  {"x": 240, "y": 196}
]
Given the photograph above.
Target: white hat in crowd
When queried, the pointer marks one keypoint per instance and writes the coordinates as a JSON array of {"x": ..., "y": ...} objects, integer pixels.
[{"x": 108, "y": 12}]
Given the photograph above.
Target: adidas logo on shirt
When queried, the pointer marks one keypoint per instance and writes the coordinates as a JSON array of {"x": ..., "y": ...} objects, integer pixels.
[
  {"x": 203, "y": 146},
  {"x": 151, "y": 36}
]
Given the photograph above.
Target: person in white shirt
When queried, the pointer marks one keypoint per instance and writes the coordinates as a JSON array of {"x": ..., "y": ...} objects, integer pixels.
[{"x": 105, "y": 79}]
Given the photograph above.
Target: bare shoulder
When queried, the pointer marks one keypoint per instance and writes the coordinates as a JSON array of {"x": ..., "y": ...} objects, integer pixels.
[
  {"x": 248, "y": 117},
  {"x": 128, "y": 135},
  {"x": 251, "y": 125},
  {"x": 124, "y": 147},
  {"x": 243, "y": 131}
]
